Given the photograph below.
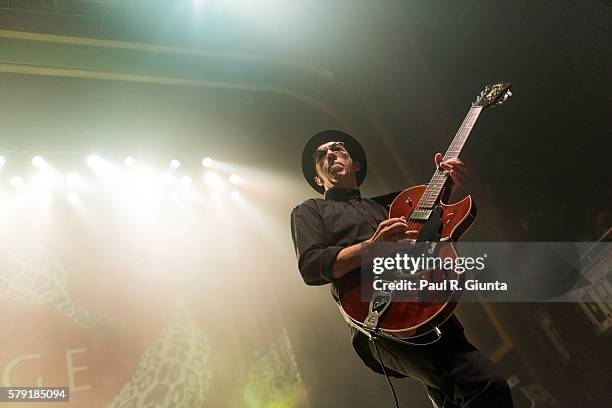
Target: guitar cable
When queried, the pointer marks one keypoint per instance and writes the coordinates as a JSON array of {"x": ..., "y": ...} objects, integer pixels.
[{"x": 373, "y": 339}]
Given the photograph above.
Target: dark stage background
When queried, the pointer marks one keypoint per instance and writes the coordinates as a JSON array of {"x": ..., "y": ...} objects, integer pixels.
[{"x": 197, "y": 306}]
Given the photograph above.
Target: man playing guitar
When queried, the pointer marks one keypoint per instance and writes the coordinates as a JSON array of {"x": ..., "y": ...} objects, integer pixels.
[{"x": 330, "y": 234}]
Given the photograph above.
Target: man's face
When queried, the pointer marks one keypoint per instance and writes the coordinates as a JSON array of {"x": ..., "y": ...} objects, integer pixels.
[{"x": 334, "y": 166}]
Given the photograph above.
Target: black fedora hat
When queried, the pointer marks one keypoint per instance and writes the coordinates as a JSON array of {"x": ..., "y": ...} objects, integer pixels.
[{"x": 350, "y": 143}]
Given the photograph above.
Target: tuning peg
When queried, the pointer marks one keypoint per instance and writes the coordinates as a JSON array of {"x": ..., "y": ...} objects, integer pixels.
[{"x": 509, "y": 93}]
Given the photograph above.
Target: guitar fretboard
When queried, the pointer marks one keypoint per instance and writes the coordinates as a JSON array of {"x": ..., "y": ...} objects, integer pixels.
[{"x": 434, "y": 188}]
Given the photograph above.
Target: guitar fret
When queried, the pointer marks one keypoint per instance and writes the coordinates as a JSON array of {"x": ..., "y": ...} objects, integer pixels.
[{"x": 438, "y": 180}]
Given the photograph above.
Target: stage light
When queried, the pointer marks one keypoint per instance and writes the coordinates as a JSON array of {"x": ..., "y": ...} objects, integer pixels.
[
  {"x": 175, "y": 164},
  {"x": 186, "y": 180},
  {"x": 194, "y": 195},
  {"x": 44, "y": 180},
  {"x": 100, "y": 166},
  {"x": 234, "y": 179},
  {"x": 211, "y": 179},
  {"x": 207, "y": 162},
  {"x": 73, "y": 198},
  {"x": 17, "y": 199},
  {"x": 129, "y": 162},
  {"x": 214, "y": 195},
  {"x": 38, "y": 162},
  {"x": 2, "y": 161},
  {"x": 143, "y": 177},
  {"x": 15, "y": 181},
  {"x": 198, "y": 5},
  {"x": 173, "y": 196},
  {"x": 94, "y": 161},
  {"x": 72, "y": 179},
  {"x": 47, "y": 200},
  {"x": 167, "y": 179},
  {"x": 235, "y": 196}
]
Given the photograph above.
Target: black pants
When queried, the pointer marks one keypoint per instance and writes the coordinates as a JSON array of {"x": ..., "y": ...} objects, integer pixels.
[{"x": 454, "y": 372}]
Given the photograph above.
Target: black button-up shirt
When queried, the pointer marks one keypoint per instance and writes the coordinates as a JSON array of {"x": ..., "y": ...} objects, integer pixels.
[{"x": 322, "y": 227}]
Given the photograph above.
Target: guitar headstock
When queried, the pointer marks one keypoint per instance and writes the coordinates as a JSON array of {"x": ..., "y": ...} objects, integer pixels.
[{"x": 494, "y": 94}]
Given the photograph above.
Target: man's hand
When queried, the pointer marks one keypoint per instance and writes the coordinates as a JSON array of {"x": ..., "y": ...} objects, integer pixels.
[
  {"x": 455, "y": 168},
  {"x": 392, "y": 230}
]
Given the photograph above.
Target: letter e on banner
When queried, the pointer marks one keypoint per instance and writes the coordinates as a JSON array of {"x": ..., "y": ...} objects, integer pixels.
[{"x": 72, "y": 370}]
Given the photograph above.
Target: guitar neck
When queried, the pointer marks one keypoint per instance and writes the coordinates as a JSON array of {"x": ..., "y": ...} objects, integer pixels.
[{"x": 436, "y": 184}]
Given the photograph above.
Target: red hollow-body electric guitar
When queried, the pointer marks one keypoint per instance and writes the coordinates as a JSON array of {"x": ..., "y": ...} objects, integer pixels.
[{"x": 435, "y": 221}]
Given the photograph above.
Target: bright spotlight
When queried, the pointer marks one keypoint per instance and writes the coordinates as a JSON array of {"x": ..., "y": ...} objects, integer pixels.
[
  {"x": 211, "y": 179},
  {"x": 47, "y": 200},
  {"x": 72, "y": 179},
  {"x": 186, "y": 180},
  {"x": 214, "y": 195},
  {"x": 129, "y": 161},
  {"x": 235, "y": 196},
  {"x": 94, "y": 161},
  {"x": 44, "y": 180},
  {"x": 234, "y": 179},
  {"x": 175, "y": 164},
  {"x": 167, "y": 179},
  {"x": 18, "y": 198},
  {"x": 143, "y": 176},
  {"x": 194, "y": 195},
  {"x": 2, "y": 161},
  {"x": 198, "y": 5},
  {"x": 207, "y": 162},
  {"x": 38, "y": 162},
  {"x": 100, "y": 166},
  {"x": 15, "y": 181},
  {"x": 73, "y": 198},
  {"x": 173, "y": 196}
]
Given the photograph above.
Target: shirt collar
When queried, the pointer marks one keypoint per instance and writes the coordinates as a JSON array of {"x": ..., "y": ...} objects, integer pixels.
[{"x": 342, "y": 194}]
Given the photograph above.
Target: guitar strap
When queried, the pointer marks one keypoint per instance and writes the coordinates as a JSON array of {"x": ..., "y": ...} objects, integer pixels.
[{"x": 381, "y": 299}]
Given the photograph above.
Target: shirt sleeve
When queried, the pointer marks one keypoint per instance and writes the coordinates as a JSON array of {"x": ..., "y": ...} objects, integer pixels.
[{"x": 315, "y": 258}]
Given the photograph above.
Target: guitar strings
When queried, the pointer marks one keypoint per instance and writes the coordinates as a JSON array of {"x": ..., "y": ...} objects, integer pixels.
[{"x": 430, "y": 196}]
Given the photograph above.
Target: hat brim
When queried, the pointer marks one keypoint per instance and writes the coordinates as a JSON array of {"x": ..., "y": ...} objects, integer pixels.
[{"x": 350, "y": 143}]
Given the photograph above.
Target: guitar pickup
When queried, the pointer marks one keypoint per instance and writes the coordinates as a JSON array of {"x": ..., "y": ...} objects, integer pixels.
[{"x": 420, "y": 214}]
